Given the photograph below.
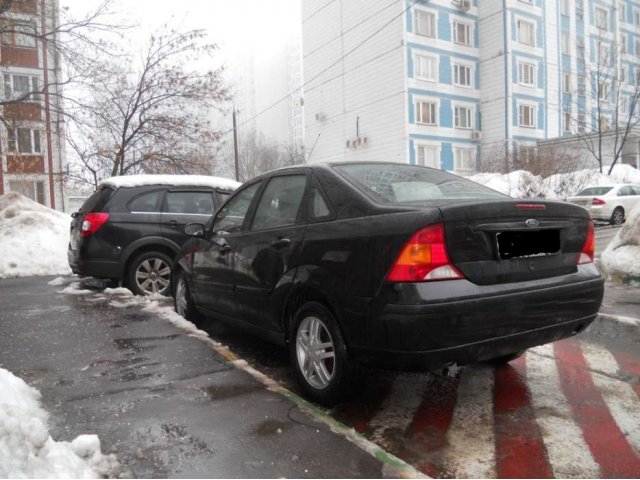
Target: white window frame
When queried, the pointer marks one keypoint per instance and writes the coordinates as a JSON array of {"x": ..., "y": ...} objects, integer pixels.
[
  {"x": 600, "y": 14},
  {"x": 525, "y": 70},
  {"x": 622, "y": 13},
  {"x": 432, "y": 148},
  {"x": 527, "y": 37},
  {"x": 522, "y": 107},
  {"x": 460, "y": 112},
  {"x": 13, "y": 141},
  {"x": 636, "y": 16},
  {"x": 434, "y": 108},
  {"x": 458, "y": 160},
  {"x": 624, "y": 74},
  {"x": 430, "y": 27},
  {"x": 33, "y": 189},
  {"x": 10, "y": 87},
  {"x": 566, "y": 122},
  {"x": 565, "y": 42},
  {"x": 604, "y": 92},
  {"x": 464, "y": 72},
  {"x": 418, "y": 70},
  {"x": 467, "y": 33}
]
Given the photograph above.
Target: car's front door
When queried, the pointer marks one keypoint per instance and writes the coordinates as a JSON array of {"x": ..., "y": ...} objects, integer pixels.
[
  {"x": 213, "y": 262},
  {"x": 267, "y": 253}
]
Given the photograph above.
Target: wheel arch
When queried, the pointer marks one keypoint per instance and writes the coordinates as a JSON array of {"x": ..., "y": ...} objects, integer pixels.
[{"x": 148, "y": 244}]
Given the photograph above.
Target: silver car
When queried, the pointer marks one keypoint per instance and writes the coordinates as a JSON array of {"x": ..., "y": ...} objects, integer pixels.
[{"x": 609, "y": 203}]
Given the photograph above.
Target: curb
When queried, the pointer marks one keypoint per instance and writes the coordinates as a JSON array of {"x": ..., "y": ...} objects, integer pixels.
[{"x": 617, "y": 327}]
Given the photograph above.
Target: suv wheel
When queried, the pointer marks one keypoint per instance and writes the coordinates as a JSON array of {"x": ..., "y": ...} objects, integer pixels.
[
  {"x": 319, "y": 354},
  {"x": 150, "y": 273}
]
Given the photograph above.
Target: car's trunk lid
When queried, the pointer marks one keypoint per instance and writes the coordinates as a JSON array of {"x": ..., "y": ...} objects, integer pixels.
[{"x": 513, "y": 241}]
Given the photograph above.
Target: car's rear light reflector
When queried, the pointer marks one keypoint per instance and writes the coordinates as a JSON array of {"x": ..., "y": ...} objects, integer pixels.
[
  {"x": 589, "y": 249},
  {"x": 598, "y": 201},
  {"x": 530, "y": 206},
  {"x": 424, "y": 258},
  {"x": 92, "y": 222}
]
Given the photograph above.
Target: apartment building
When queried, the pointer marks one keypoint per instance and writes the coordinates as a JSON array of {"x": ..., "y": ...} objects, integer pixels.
[
  {"x": 31, "y": 138},
  {"x": 448, "y": 83}
]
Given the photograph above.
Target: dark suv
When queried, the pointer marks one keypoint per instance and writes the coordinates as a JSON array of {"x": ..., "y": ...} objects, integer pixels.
[{"x": 131, "y": 228}]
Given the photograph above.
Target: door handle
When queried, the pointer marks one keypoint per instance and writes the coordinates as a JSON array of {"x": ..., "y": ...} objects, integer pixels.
[{"x": 281, "y": 243}]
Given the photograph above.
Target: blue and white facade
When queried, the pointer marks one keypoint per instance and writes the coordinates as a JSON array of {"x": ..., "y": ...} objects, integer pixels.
[{"x": 445, "y": 82}]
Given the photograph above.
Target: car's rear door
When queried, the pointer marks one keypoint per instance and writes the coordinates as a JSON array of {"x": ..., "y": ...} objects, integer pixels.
[
  {"x": 267, "y": 254},
  {"x": 183, "y": 206}
]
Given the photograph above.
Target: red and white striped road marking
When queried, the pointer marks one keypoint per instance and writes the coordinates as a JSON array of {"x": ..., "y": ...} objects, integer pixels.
[{"x": 568, "y": 410}]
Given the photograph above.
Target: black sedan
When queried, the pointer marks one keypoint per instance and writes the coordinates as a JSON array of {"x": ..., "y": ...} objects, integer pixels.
[{"x": 389, "y": 264}]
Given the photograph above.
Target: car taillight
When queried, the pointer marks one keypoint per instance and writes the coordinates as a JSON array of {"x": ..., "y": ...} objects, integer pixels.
[
  {"x": 424, "y": 258},
  {"x": 598, "y": 201},
  {"x": 589, "y": 248},
  {"x": 92, "y": 222}
]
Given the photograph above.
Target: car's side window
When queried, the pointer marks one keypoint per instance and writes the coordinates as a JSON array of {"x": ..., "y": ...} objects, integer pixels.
[
  {"x": 624, "y": 191},
  {"x": 146, "y": 202},
  {"x": 280, "y": 202},
  {"x": 231, "y": 217},
  {"x": 189, "y": 202},
  {"x": 319, "y": 207}
]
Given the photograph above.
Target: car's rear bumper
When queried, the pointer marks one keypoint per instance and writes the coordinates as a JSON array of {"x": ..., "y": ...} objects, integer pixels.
[
  {"x": 433, "y": 333},
  {"x": 93, "y": 268}
]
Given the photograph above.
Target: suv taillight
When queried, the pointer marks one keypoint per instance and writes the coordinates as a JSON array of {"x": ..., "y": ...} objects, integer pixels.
[
  {"x": 92, "y": 222},
  {"x": 589, "y": 249},
  {"x": 424, "y": 258}
]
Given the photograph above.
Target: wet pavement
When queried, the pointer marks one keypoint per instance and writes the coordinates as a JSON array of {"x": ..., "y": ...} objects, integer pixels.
[
  {"x": 163, "y": 401},
  {"x": 170, "y": 406}
]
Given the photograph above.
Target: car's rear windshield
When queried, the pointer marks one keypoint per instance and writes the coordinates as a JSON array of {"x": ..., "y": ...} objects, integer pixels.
[
  {"x": 97, "y": 201},
  {"x": 388, "y": 183},
  {"x": 587, "y": 192}
]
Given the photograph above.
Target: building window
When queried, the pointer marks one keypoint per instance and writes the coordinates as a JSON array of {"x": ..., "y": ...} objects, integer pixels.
[
  {"x": 526, "y": 116},
  {"x": 462, "y": 33},
  {"x": 462, "y": 75},
  {"x": 582, "y": 123},
  {"x": 427, "y": 156},
  {"x": 566, "y": 84},
  {"x": 464, "y": 161},
  {"x": 622, "y": 14},
  {"x": 637, "y": 48},
  {"x": 22, "y": 87},
  {"x": 463, "y": 117},
  {"x": 29, "y": 188},
  {"x": 623, "y": 74},
  {"x": 19, "y": 35},
  {"x": 526, "y": 74},
  {"x": 636, "y": 17},
  {"x": 425, "y": 24},
  {"x": 24, "y": 140},
  {"x": 623, "y": 43},
  {"x": 567, "y": 122},
  {"x": 566, "y": 43},
  {"x": 426, "y": 113},
  {"x": 602, "y": 18},
  {"x": 604, "y": 123},
  {"x": 624, "y": 104},
  {"x": 425, "y": 68},
  {"x": 526, "y": 32},
  {"x": 603, "y": 91},
  {"x": 604, "y": 54},
  {"x": 581, "y": 85},
  {"x": 564, "y": 7},
  {"x": 580, "y": 47}
]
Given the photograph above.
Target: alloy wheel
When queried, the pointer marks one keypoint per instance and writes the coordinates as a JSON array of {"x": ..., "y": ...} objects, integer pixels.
[
  {"x": 315, "y": 352},
  {"x": 153, "y": 275},
  {"x": 181, "y": 297}
]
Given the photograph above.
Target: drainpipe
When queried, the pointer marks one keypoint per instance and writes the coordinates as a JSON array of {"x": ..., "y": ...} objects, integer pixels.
[{"x": 45, "y": 67}]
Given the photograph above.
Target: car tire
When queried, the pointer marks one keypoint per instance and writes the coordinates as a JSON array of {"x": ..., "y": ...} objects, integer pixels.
[
  {"x": 617, "y": 217},
  {"x": 504, "y": 359},
  {"x": 149, "y": 273},
  {"x": 183, "y": 302},
  {"x": 315, "y": 333}
]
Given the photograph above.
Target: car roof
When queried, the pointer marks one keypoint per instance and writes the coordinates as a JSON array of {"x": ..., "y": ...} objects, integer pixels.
[{"x": 171, "y": 180}]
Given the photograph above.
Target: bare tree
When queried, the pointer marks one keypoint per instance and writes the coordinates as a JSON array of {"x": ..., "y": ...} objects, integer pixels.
[
  {"x": 615, "y": 111},
  {"x": 148, "y": 117}
]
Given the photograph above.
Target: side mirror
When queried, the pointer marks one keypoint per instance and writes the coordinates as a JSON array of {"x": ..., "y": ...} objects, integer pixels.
[
  {"x": 75, "y": 214},
  {"x": 194, "y": 230}
]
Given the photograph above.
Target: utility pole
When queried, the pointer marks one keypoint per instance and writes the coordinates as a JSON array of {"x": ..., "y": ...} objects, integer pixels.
[{"x": 235, "y": 143}]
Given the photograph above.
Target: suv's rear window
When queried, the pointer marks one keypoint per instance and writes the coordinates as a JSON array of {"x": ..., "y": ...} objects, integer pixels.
[
  {"x": 390, "y": 183},
  {"x": 97, "y": 201}
]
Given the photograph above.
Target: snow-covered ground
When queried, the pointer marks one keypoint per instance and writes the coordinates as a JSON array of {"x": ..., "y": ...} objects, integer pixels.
[
  {"x": 26, "y": 447},
  {"x": 621, "y": 259},
  {"x": 523, "y": 184},
  {"x": 33, "y": 238}
]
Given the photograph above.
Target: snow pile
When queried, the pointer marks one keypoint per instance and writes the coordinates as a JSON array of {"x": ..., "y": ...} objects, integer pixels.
[
  {"x": 522, "y": 184},
  {"x": 176, "y": 180},
  {"x": 33, "y": 238},
  {"x": 621, "y": 259},
  {"x": 28, "y": 451}
]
